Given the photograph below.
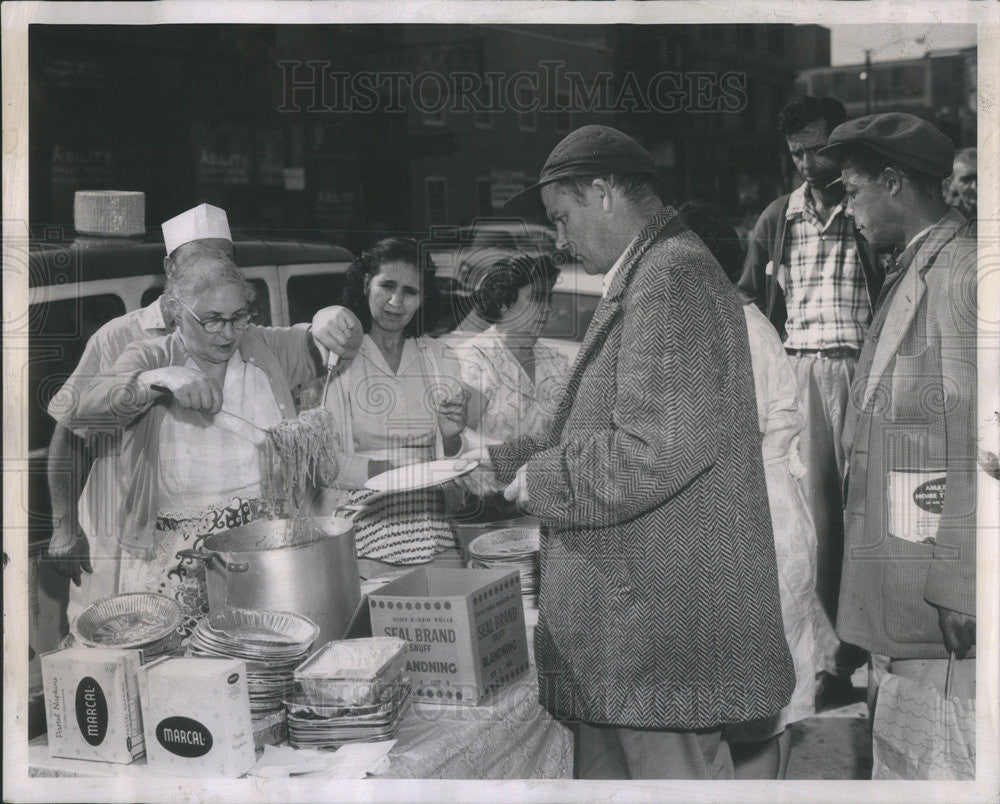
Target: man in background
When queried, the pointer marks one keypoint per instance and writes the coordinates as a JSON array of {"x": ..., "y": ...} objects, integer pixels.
[
  {"x": 909, "y": 584},
  {"x": 817, "y": 280},
  {"x": 960, "y": 189}
]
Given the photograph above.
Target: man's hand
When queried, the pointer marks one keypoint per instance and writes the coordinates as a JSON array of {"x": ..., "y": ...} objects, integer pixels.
[
  {"x": 70, "y": 557},
  {"x": 517, "y": 491},
  {"x": 190, "y": 387},
  {"x": 958, "y": 630},
  {"x": 336, "y": 330}
]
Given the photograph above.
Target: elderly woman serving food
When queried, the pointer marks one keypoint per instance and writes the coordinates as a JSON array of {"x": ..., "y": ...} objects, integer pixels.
[
  {"x": 400, "y": 402},
  {"x": 194, "y": 407}
]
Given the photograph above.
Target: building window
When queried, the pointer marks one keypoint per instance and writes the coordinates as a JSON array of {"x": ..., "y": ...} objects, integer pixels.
[
  {"x": 432, "y": 118},
  {"x": 527, "y": 121},
  {"x": 484, "y": 196},
  {"x": 436, "y": 196}
]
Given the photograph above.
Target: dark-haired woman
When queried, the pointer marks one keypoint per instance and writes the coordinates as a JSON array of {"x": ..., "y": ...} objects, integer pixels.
[
  {"x": 515, "y": 382},
  {"x": 400, "y": 401}
]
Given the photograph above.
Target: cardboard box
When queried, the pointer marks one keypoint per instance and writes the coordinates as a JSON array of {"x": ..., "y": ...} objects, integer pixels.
[
  {"x": 196, "y": 713},
  {"x": 465, "y": 629},
  {"x": 92, "y": 704}
]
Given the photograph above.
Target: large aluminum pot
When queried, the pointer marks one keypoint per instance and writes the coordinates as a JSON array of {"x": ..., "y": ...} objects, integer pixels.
[{"x": 307, "y": 566}]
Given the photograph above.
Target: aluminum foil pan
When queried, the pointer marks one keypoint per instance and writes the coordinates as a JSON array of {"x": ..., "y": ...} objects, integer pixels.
[
  {"x": 352, "y": 671},
  {"x": 505, "y": 544},
  {"x": 272, "y": 631},
  {"x": 131, "y": 620}
]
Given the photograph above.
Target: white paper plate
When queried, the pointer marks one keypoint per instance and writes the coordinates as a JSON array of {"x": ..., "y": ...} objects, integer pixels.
[{"x": 420, "y": 475}]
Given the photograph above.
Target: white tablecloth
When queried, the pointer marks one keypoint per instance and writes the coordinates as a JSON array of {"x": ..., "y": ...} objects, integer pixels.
[{"x": 508, "y": 736}]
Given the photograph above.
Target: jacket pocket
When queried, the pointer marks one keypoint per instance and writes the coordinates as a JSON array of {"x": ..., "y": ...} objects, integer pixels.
[
  {"x": 917, "y": 390},
  {"x": 907, "y": 617}
]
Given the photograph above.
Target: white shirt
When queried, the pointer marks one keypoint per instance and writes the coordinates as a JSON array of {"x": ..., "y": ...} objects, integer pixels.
[
  {"x": 516, "y": 405},
  {"x": 610, "y": 275}
]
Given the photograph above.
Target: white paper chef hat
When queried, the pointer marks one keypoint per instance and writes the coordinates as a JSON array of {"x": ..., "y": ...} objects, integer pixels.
[{"x": 204, "y": 221}]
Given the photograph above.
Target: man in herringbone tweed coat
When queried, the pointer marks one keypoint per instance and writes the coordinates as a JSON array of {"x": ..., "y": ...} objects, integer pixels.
[{"x": 659, "y": 612}]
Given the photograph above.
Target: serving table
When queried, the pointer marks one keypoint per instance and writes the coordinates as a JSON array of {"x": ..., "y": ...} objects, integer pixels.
[{"x": 507, "y": 736}]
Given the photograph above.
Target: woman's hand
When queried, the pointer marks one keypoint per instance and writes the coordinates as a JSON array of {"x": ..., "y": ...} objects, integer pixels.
[
  {"x": 70, "y": 554},
  {"x": 190, "y": 387},
  {"x": 452, "y": 417},
  {"x": 336, "y": 331}
]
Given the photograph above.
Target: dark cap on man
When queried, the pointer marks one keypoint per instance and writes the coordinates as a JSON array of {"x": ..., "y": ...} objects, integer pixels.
[
  {"x": 903, "y": 138},
  {"x": 588, "y": 151}
]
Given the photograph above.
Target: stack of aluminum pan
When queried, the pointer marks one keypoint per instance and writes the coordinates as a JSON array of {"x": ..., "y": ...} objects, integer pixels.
[{"x": 349, "y": 691}]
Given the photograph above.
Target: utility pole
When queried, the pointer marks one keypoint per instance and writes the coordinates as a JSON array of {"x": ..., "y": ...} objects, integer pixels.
[{"x": 868, "y": 81}]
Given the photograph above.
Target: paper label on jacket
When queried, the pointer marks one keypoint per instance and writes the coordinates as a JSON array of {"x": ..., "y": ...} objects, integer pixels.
[{"x": 916, "y": 498}]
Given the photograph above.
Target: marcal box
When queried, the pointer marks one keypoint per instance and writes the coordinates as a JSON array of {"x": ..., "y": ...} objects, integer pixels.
[
  {"x": 197, "y": 717},
  {"x": 465, "y": 629},
  {"x": 92, "y": 704}
]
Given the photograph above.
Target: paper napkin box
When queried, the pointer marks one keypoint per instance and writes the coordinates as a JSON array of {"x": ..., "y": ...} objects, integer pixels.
[
  {"x": 92, "y": 704},
  {"x": 196, "y": 713}
]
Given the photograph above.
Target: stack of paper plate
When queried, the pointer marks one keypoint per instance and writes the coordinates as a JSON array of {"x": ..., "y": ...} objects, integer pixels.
[
  {"x": 272, "y": 643},
  {"x": 509, "y": 548},
  {"x": 141, "y": 621}
]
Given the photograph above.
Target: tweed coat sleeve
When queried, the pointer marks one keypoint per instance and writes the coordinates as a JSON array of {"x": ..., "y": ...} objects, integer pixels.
[
  {"x": 508, "y": 456},
  {"x": 951, "y": 577},
  {"x": 663, "y": 430}
]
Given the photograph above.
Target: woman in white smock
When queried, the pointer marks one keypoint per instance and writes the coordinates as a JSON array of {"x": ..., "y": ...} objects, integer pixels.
[
  {"x": 194, "y": 406},
  {"x": 515, "y": 382}
]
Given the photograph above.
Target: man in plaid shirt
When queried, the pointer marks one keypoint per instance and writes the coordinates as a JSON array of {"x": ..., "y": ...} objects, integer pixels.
[{"x": 818, "y": 281}]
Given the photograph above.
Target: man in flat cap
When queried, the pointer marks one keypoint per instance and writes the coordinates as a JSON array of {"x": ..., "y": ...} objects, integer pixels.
[
  {"x": 816, "y": 278},
  {"x": 659, "y": 612},
  {"x": 909, "y": 581}
]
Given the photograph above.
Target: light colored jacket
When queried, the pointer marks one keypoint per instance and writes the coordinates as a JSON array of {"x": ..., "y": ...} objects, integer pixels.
[{"x": 912, "y": 408}]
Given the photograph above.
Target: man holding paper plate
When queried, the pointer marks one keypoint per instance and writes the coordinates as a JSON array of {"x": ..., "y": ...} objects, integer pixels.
[{"x": 659, "y": 614}]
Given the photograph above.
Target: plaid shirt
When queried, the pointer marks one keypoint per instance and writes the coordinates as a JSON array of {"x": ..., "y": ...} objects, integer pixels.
[{"x": 825, "y": 287}]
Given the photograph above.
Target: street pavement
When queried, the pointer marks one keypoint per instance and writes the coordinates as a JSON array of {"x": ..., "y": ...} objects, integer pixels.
[{"x": 834, "y": 744}]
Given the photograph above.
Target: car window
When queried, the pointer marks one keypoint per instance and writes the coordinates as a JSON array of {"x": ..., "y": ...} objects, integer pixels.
[
  {"x": 571, "y": 314},
  {"x": 495, "y": 240},
  {"x": 261, "y": 302},
  {"x": 58, "y": 333},
  {"x": 538, "y": 241},
  {"x": 308, "y": 293},
  {"x": 453, "y": 306}
]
